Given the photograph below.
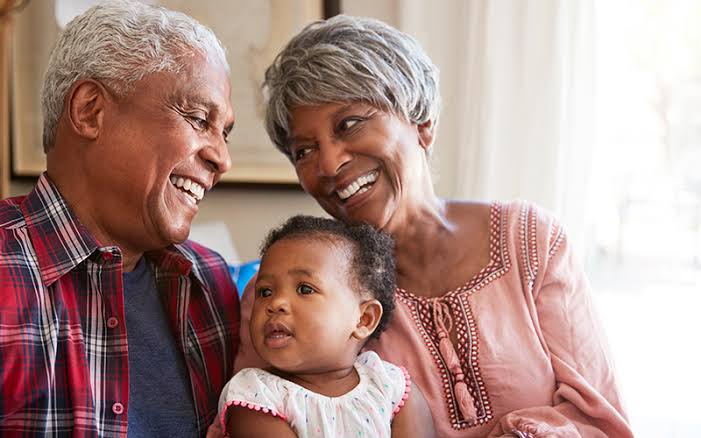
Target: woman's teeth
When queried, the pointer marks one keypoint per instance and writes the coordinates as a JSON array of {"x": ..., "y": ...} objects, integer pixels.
[
  {"x": 188, "y": 186},
  {"x": 358, "y": 186}
]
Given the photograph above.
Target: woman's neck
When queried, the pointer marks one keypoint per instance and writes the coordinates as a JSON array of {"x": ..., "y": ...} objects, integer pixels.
[
  {"x": 421, "y": 227},
  {"x": 436, "y": 253}
]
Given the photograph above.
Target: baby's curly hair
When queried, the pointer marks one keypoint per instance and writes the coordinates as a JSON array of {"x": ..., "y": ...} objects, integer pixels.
[{"x": 372, "y": 263}]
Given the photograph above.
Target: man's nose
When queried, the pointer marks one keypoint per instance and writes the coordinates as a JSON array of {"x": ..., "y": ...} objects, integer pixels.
[{"x": 217, "y": 157}]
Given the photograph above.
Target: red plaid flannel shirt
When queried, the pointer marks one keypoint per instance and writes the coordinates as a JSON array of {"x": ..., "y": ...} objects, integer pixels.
[{"x": 63, "y": 345}]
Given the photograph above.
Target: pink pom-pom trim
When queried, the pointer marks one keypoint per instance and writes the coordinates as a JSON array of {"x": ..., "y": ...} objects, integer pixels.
[
  {"x": 407, "y": 390},
  {"x": 251, "y": 406}
]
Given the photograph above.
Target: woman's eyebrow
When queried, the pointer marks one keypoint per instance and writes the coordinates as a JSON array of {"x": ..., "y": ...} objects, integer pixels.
[
  {"x": 340, "y": 111},
  {"x": 300, "y": 139}
]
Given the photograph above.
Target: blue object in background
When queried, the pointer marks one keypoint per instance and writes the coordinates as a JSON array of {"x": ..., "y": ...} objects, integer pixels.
[{"x": 242, "y": 273}]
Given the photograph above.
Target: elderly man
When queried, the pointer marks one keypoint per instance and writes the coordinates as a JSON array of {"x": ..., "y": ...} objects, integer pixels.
[{"x": 111, "y": 323}]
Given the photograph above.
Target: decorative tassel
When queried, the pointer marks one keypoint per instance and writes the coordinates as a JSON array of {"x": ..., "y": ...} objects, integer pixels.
[
  {"x": 462, "y": 393},
  {"x": 447, "y": 350},
  {"x": 466, "y": 403}
]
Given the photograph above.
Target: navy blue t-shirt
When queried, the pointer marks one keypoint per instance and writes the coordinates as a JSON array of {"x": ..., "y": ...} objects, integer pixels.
[{"x": 160, "y": 397}]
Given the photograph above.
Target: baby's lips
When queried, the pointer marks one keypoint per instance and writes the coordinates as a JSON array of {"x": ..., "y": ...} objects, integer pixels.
[{"x": 276, "y": 327}]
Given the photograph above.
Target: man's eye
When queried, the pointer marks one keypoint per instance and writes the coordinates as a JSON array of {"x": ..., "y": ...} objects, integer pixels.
[
  {"x": 304, "y": 289},
  {"x": 199, "y": 122},
  {"x": 264, "y": 292}
]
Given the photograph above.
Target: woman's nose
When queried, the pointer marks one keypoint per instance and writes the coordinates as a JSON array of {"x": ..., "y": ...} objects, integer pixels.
[{"x": 333, "y": 155}]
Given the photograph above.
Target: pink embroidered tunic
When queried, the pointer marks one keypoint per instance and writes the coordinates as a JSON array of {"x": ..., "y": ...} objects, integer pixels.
[{"x": 530, "y": 356}]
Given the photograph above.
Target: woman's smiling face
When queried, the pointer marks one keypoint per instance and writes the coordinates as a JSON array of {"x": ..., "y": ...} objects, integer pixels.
[{"x": 360, "y": 163}]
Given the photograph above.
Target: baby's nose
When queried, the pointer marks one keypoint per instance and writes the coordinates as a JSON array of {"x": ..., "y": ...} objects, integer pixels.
[{"x": 278, "y": 305}]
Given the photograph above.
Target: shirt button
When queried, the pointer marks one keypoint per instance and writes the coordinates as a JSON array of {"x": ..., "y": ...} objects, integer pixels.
[
  {"x": 118, "y": 408},
  {"x": 112, "y": 322}
]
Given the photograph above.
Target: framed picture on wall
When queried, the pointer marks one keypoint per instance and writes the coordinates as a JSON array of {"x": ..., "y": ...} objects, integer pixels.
[{"x": 253, "y": 32}]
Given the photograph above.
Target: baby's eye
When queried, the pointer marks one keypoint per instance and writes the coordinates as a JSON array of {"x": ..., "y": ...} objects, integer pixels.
[
  {"x": 264, "y": 292},
  {"x": 304, "y": 289}
]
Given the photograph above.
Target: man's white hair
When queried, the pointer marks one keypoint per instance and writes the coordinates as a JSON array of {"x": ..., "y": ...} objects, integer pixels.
[{"x": 119, "y": 42}]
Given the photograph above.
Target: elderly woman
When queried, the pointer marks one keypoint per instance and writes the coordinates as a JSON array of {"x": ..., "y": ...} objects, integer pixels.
[{"x": 494, "y": 320}]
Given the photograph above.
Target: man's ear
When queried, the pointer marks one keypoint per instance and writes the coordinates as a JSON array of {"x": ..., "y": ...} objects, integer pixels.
[
  {"x": 426, "y": 134},
  {"x": 86, "y": 106},
  {"x": 370, "y": 314}
]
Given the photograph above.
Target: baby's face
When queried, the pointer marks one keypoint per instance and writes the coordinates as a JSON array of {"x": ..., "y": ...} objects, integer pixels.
[{"x": 305, "y": 309}]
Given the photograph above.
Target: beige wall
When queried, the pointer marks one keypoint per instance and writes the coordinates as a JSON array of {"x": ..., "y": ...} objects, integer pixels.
[{"x": 249, "y": 213}]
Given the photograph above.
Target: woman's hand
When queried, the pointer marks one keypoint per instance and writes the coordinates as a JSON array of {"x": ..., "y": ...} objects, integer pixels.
[{"x": 414, "y": 419}]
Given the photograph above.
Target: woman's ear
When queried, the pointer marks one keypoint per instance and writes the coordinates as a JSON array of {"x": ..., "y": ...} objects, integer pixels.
[
  {"x": 370, "y": 315},
  {"x": 426, "y": 134},
  {"x": 86, "y": 104}
]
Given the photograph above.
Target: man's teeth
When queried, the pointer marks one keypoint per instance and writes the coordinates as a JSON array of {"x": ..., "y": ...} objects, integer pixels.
[
  {"x": 188, "y": 186},
  {"x": 355, "y": 186}
]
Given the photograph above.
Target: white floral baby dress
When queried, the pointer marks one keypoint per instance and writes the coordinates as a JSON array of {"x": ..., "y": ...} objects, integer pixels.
[{"x": 365, "y": 411}]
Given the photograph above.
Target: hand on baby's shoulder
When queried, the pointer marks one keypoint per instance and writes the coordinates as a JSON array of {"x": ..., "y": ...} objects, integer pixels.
[{"x": 414, "y": 419}]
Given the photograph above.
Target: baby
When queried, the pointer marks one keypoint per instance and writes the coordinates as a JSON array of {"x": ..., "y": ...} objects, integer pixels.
[{"x": 323, "y": 289}]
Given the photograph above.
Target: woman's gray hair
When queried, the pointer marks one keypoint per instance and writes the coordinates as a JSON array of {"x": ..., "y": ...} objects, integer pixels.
[
  {"x": 120, "y": 42},
  {"x": 350, "y": 59}
]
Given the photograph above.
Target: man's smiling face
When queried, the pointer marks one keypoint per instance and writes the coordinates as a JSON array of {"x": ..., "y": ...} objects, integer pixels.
[{"x": 162, "y": 147}]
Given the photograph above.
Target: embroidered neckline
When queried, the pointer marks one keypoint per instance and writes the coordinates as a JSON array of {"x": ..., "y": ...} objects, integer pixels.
[
  {"x": 467, "y": 336},
  {"x": 497, "y": 266}
]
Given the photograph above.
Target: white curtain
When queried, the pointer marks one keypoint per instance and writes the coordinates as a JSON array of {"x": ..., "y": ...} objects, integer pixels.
[
  {"x": 527, "y": 105},
  {"x": 517, "y": 78}
]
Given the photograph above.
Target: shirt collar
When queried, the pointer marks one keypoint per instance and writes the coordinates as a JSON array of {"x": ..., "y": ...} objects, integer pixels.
[
  {"x": 178, "y": 259},
  {"x": 171, "y": 259},
  {"x": 59, "y": 240}
]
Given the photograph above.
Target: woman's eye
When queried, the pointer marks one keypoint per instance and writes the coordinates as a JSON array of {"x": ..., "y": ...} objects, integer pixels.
[
  {"x": 348, "y": 123},
  {"x": 264, "y": 292},
  {"x": 304, "y": 289},
  {"x": 301, "y": 152}
]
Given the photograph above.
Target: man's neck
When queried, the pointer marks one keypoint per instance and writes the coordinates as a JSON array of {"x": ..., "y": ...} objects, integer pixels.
[
  {"x": 130, "y": 260},
  {"x": 73, "y": 194}
]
